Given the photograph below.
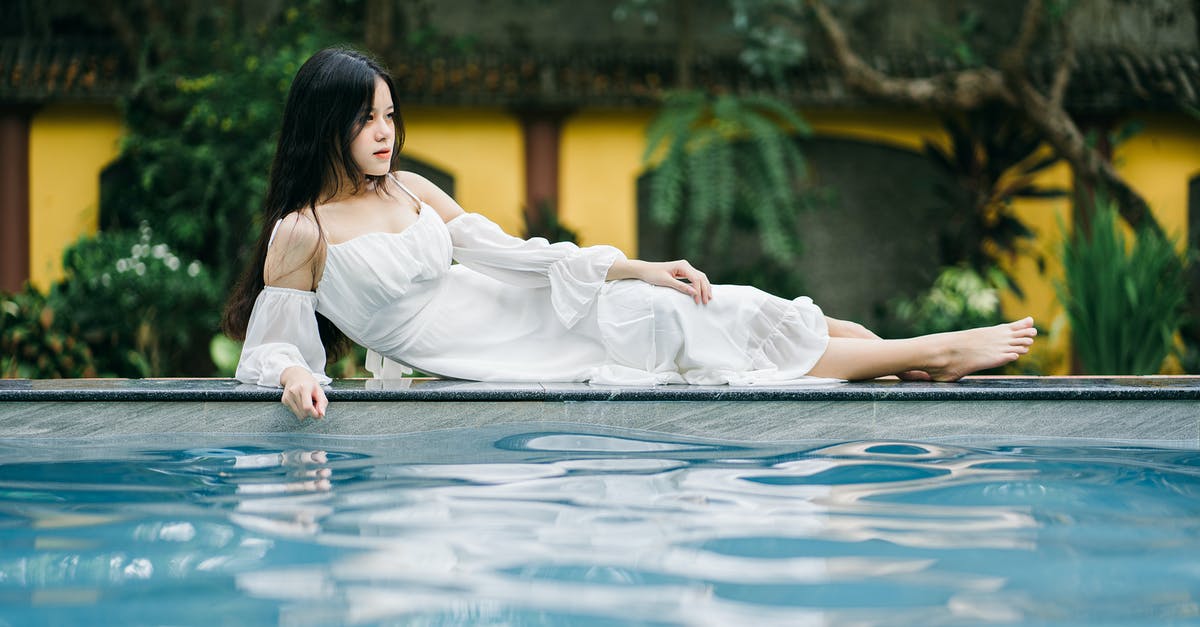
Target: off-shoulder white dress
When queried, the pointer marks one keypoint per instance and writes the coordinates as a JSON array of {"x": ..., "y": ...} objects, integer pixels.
[{"x": 524, "y": 310}]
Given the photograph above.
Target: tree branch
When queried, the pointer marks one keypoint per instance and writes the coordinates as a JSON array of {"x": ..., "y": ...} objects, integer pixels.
[
  {"x": 965, "y": 89},
  {"x": 1013, "y": 59},
  {"x": 968, "y": 89},
  {"x": 1062, "y": 72}
]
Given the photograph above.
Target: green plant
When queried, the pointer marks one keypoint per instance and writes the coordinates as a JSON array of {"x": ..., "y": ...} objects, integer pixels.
[
  {"x": 33, "y": 342},
  {"x": 992, "y": 160},
  {"x": 730, "y": 166},
  {"x": 142, "y": 309},
  {"x": 199, "y": 139},
  {"x": 546, "y": 224},
  {"x": 723, "y": 156},
  {"x": 1125, "y": 303},
  {"x": 960, "y": 298}
]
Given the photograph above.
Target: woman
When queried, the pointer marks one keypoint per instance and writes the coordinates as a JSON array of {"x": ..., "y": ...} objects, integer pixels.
[{"x": 352, "y": 249}]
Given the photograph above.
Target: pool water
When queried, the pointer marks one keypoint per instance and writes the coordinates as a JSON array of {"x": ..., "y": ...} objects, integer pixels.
[{"x": 563, "y": 524}]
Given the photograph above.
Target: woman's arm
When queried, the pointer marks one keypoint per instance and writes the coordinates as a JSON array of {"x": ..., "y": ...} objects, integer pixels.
[
  {"x": 666, "y": 274},
  {"x": 285, "y": 330}
]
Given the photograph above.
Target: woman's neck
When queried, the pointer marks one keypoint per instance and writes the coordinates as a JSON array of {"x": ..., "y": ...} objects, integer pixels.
[{"x": 347, "y": 191}]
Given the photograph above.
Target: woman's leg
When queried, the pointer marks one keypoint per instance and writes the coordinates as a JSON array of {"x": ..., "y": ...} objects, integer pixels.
[{"x": 945, "y": 356}]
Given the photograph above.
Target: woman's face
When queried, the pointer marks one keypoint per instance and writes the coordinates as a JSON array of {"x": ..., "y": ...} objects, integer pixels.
[{"x": 372, "y": 147}]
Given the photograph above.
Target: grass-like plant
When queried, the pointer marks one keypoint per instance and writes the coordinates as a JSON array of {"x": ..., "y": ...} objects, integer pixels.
[{"x": 1125, "y": 302}]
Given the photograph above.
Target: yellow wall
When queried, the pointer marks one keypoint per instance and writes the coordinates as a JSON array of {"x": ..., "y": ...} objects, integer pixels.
[
  {"x": 68, "y": 147},
  {"x": 1043, "y": 216},
  {"x": 905, "y": 129},
  {"x": 600, "y": 159},
  {"x": 1158, "y": 162},
  {"x": 482, "y": 149},
  {"x": 910, "y": 130},
  {"x": 600, "y": 162}
]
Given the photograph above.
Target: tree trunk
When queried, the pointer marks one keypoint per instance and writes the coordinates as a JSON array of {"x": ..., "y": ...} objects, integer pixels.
[{"x": 1010, "y": 84}]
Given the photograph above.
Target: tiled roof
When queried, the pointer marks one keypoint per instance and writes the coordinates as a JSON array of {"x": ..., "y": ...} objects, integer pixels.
[
  {"x": 35, "y": 71},
  {"x": 1104, "y": 81}
]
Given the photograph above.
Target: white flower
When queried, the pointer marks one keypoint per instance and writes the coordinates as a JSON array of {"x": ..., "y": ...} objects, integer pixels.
[
  {"x": 140, "y": 268},
  {"x": 122, "y": 265},
  {"x": 983, "y": 302},
  {"x": 193, "y": 268},
  {"x": 105, "y": 279},
  {"x": 172, "y": 262},
  {"x": 159, "y": 251}
]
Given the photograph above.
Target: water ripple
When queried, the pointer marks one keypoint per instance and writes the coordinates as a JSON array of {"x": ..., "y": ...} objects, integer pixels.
[{"x": 504, "y": 526}]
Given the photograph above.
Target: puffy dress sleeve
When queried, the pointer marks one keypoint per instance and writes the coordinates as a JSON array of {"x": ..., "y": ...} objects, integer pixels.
[
  {"x": 575, "y": 275},
  {"x": 282, "y": 333}
]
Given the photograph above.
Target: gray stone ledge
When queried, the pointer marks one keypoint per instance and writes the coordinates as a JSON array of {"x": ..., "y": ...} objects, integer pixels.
[
  {"x": 1154, "y": 410},
  {"x": 969, "y": 389}
]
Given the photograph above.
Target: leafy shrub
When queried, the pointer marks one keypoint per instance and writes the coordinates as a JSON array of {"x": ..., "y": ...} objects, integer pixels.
[
  {"x": 960, "y": 298},
  {"x": 34, "y": 343},
  {"x": 143, "y": 310},
  {"x": 993, "y": 159},
  {"x": 198, "y": 148},
  {"x": 729, "y": 164},
  {"x": 1125, "y": 303}
]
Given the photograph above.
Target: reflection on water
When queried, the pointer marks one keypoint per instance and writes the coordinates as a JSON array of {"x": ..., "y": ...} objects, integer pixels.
[{"x": 503, "y": 526}]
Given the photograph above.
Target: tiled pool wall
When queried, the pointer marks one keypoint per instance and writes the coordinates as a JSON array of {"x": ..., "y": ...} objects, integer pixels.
[{"x": 1158, "y": 410}]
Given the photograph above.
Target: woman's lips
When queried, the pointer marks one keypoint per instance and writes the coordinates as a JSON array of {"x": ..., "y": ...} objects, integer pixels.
[{"x": 384, "y": 154}]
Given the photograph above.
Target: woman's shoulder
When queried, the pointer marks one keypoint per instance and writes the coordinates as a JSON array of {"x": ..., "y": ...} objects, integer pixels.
[
  {"x": 296, "y": 229},
  {"x": 295, "y": 252},
  {"x": 428, "y": 192}
]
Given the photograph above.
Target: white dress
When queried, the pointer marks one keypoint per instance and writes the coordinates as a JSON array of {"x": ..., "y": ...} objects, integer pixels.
[{"x": 524, "y": 310}]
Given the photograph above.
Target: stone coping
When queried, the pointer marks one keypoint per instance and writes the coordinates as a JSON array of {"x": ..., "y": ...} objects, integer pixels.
[{"x": 982, "y": 388}]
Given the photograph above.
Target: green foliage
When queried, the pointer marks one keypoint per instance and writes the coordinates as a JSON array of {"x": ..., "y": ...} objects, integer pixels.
[
  {"x": 143, "y": 310},
  {"x": 992, "y": 161},
  {"x": 180, "y": 205},
  {"x": 773, "y": 30},
  {"x": 728, "y": 161},
  {"x": 199, "y": 139},
  {"x": 1125, "y": 304},
  {"x": 34, "y": 343},
  {"x": 548, "y": 226},
  {"x": 956, "y": 41},
  {"x": 960, "y": 298},
  {"x": 224, "y": 353}
]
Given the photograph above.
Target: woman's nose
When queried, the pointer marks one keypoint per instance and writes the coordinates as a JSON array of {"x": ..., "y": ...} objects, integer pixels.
[{"x": 382, "y": 128}]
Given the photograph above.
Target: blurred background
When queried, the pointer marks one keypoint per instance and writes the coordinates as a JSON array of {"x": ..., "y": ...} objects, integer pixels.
[{"x": 919, "y": 166}]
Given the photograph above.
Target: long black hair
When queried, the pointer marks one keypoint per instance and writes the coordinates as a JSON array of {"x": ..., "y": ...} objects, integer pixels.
[{"x": 326, "y": 108}]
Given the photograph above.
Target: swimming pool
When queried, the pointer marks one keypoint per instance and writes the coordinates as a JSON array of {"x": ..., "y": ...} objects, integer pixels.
[{"x": 520, "y": 524}]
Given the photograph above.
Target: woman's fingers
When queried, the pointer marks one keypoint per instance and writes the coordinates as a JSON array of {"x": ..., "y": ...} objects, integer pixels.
[
  {"x": 320, "y": 402},
  {"x": 306, "y": 405},
  {"x": 306, "y": 400},
  {"x": 701, "y": 290}
]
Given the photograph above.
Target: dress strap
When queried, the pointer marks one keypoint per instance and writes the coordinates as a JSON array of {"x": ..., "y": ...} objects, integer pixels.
[
  {"x": 274, "y": 231},
  {"x": 407, "y": 191}
]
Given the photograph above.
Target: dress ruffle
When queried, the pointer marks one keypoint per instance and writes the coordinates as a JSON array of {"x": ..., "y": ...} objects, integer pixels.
[{"x": 656, "y": 335}]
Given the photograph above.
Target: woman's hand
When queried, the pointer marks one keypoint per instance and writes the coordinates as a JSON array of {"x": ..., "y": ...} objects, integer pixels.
[
  {"x": 669, "y": 273},
  {"x": 302, "y": 394}
]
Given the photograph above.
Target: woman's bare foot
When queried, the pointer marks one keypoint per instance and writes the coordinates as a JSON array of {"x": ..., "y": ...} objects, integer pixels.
[{"x": 964, "y": 352}]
